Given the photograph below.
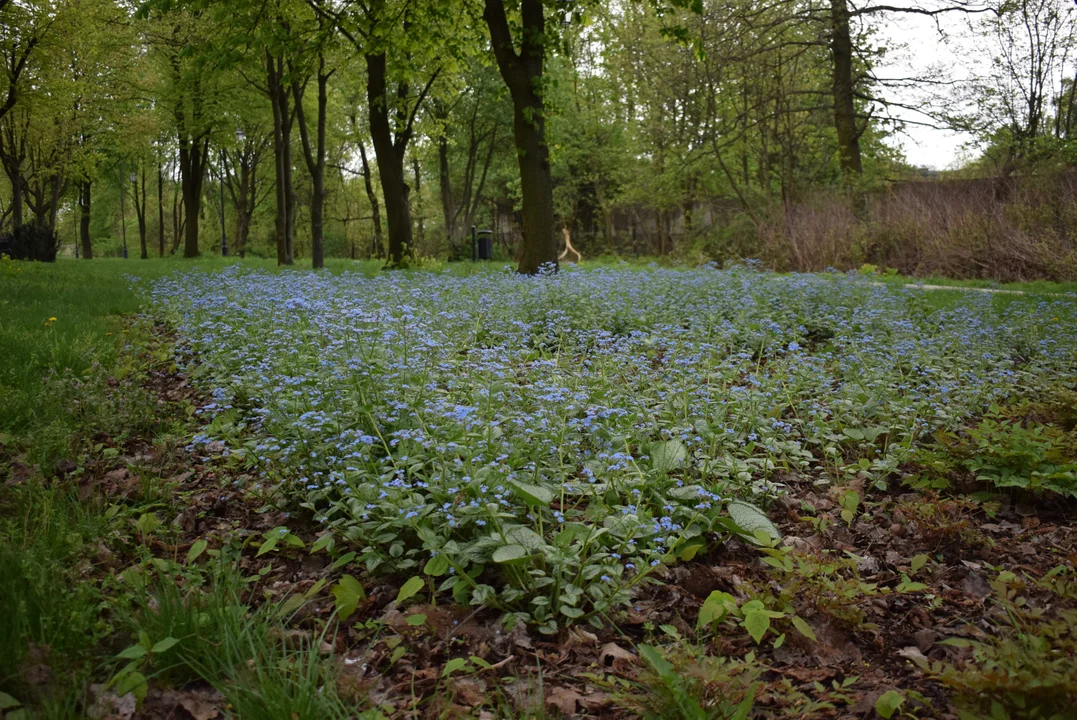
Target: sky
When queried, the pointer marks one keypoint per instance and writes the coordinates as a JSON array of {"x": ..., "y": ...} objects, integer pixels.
[{"x": 915, "y": 46}]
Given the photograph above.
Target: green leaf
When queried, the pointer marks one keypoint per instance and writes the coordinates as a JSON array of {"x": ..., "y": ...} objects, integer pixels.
[
  {"x": 163, "y": 645},
  {"x": 888, "y": 703},
  {"x": 803, "y": 628},
  {"x": 415, "y": 620},
  {"x": 663, "y": 667},
  {"x": 756, "y": 622},
  {"x": 197, "y": 548},
  {"x": 668, "y": 455},
  {"x": 269, "y": 544},
  {"x": 133, "y": 653},
  {"x": 533, "y": 494},
  {"x": 147, "y": 523},
  {"x": 7, "y": 702},
  {"x": 436, "y": 566},
  {"x": 410, "y": 588},
  {"x": 510, "y": 554},
  {"x": 749, "y": 519},
  {"x": 716, "y": 607},
  {"x": 346, "y": 595},
  {"x": 480, "y": 662},
  {"x": 918, "y": 562},
  {"x": 134, "y": 683},
  {"x": 323, "y": 543},
  {"x": 523, "y": 535},
  {"x": 342, "y": 560},
  {"x": 452, "y": 666}
]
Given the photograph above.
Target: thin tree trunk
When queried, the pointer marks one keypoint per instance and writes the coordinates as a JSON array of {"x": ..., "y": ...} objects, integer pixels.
[
  {"x": 420, "y": 232},
  {"x": 523, "y": 75},
  {"x": 160, "y": 210},
  {"x": 140, "y": 212},
  {"x": 378, "y": 245},
  {"x": 315, "y": 157},
  {"x": 282, "y": 155}
]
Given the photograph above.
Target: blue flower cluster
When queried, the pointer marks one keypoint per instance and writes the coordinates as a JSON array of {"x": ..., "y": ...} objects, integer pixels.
[{"x": 575, "y": 430}]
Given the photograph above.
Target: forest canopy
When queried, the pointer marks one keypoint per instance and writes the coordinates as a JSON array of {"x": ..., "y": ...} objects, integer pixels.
[{"x": 701, "y": 130}]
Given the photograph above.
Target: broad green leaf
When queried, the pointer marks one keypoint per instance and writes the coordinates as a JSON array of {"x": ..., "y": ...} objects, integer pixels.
[
  {"x": 668, "y": 455},
  {"x": 888, "y": 703},
  {"x": 346, "y": 594},
  {"x": 325, "y": 542},
  {"x": 415, "y": 620},
  {"x": 163, "y": 645},
  {"x": 509, "y": 554},
  {"x": 409, "y": 589},
  {"x": 133, "y": 653},
  {"x": 756, "y": 622},
  {"x": 918, "y": 562},
  {"x": 716, "y": 607},
  {"x": 436, "y": 566},
  {"x": 749, "y": 518},
  {"x": 533, "y": 494},
  {"x": 269, "y": 544},
  {"x": 134, "y": 683},
  {"x": 523, "y": 535},
  {"x": 197, "y": 548},
  {"x": 147, "y": 523},
  {"x": 803, "y": 628},
  {"x": 452, "y": 666},
  {"x": 342, "y": 560},
  {"x": 7, "y": 702}
]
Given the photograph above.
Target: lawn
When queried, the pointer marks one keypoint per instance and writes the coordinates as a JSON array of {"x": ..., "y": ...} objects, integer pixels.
[{"x": 614, "y": 492}]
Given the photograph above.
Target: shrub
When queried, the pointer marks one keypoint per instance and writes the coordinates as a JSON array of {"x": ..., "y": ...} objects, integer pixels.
[{"x": 30, "y": 242}]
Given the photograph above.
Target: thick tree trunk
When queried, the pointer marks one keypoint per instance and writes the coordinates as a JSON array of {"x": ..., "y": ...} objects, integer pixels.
[
  {"x": 523, "y": 75},
  {"x": 841, "y": 47},
  {"x": 315, "y": 157},
  {"x": 390, "y": 157},
  {"x": 84, "y": 219},
  {"x": 192, "y": 165},
  {"x": 377, "y": 244}
]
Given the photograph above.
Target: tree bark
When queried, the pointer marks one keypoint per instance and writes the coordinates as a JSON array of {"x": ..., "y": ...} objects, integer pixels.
[
  {"x": 315, "y": 157},
  {"x": 140, "y": 211},
  {"x": 523, "y": 74},
  {"x": 377, "y": 244},
  {"x": 390, "y": 155},
  {"x": 160, "y": 210},
  {"x": 282, "y": 154},
  {"x": 192, "y": 171},
  {"x": 420, "y": 232},
  {"x": 841, "y": 47},
  {"x": 84, "y": 219}
]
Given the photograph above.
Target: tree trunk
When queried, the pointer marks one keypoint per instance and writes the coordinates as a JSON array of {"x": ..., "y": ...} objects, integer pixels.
[
  {"x": 390, "y": 157},
  {"x": 315, "y": 157},
  {"x": 377, "y": 244},
  {"x": 448, "y": 202},
  {"x": 84, "y": 219},
  {"x": 841, "y": 47},
  {"x": 282, "y": 155},
  {"x": 523, "y": 75},
  {"x": 140, "y": 212},
  {"x": 192, "y": 165},
  {"x": 160, "y": 210}
]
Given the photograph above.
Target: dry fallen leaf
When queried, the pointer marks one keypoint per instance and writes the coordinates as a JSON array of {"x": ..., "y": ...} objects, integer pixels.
[
  {"x": 564, "y": 699},
  {"x": 614, "y": 657}
]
